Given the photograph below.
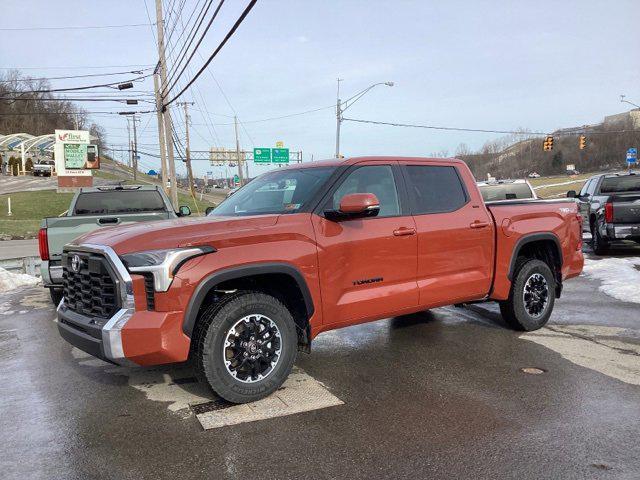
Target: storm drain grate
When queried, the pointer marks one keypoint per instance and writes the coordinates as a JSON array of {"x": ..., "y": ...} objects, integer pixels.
[{"x": 217, "y": 404}]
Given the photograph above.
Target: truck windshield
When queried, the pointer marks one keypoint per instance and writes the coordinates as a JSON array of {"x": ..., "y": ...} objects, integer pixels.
[
  {"x": 505, "y": 191},
  {"x": 119, "y": 201},
  {"x": 284, "y": 191},
  {"x": 628, "y": 183}
]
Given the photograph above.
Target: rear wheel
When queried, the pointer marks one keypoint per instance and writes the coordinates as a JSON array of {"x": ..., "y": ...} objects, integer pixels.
[
  {"x": 246, "y": 346},
  {"x": 599, "y": 245},
  {"x": 532, "y": 296}
]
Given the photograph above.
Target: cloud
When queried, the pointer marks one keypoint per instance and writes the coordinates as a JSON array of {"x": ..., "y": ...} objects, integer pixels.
[{"x": 302, "y": 39}]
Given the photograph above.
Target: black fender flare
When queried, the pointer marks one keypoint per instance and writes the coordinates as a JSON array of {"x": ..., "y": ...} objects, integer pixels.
[
  {"x": 532, "y": 237},
  {"x": 234, "y": 273}
]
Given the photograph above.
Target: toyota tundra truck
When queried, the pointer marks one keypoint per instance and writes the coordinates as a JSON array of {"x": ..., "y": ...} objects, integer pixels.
[{"x": 306, "y": 249}]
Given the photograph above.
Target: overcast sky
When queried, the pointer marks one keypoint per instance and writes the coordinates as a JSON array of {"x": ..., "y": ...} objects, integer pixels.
[{"x": 493, "y": 65}]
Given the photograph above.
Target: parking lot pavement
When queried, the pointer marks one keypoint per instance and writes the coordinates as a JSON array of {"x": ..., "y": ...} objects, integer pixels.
[{"x": 440, "y": 394}]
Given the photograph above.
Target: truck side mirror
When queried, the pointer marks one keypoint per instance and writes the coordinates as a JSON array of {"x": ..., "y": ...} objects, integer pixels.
[
  {"x": 355, "y": 205},
  {"x": 184, "y": 211},
  {"x": 209, "y": 210},
  {"x": 572, "y": 194}
]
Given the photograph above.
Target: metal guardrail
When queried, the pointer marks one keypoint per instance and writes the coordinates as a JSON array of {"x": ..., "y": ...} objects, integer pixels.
[{"x": 28, "y": 265}]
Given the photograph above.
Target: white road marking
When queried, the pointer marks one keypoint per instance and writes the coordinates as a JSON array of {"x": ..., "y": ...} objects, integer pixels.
[
  {"x": 598, "y": 348},
  {"x": 300, "y": 393}
]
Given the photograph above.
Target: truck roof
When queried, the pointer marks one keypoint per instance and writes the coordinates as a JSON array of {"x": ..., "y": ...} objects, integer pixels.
[
  {"x": 117, "y": 187},
  {"x": 335, "y": 162}
]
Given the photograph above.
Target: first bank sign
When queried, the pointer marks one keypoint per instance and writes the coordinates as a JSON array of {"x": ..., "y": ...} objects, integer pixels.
[{"x": 70, "y": 152}]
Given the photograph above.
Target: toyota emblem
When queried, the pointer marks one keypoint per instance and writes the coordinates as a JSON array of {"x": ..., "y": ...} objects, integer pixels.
[{"x": 76, "y": 263}]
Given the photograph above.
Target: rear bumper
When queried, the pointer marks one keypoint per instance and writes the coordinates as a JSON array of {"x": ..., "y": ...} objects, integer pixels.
[{"x": 622, "y": 232}]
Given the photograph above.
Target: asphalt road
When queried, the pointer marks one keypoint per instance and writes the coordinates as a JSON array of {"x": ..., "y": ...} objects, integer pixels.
[
  {"x": 435, "y": 395},
  {"x": 18, "y": 248}
]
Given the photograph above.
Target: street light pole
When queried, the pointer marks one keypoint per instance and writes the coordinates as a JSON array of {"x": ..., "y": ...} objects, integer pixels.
[
  {"x": 627, "y": 101},
  {"x": 342, "y": 106}
]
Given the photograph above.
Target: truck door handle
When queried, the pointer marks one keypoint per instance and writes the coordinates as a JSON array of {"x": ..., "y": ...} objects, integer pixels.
[
  {"x": 402, "y": 231},
  {"x": 479, "y": 224},
  {"x": 108, "y": 220}
]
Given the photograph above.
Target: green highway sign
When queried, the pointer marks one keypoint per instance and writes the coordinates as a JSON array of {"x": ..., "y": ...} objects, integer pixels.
[
  {"x": 262, "y": 155},
  {"x": 236, "y": 179},
  {"x": 280, "y": 155}
]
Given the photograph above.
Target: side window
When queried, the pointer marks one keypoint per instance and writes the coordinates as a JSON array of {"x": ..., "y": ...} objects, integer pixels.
[
  {"x": 434, "y": 189},
  {"x": 376, "y": 179},
  {"x": 585, "y": 187},
  {"x": 591, "y": 189}
]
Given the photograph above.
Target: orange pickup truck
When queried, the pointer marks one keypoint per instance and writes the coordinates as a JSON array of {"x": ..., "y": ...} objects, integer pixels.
[{"x": 306, "y": 249}]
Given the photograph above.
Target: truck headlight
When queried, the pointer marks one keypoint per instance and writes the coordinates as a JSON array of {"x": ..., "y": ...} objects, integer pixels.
[{"x": 162, "y": 264}]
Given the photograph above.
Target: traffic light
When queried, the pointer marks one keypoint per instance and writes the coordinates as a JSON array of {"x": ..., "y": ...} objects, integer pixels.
[
  {"x": 548, "y": 144},
  {"x": 583, "y": 142}
]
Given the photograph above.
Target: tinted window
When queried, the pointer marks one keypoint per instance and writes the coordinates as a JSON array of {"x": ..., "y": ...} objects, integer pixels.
[
  {"x": 585, "y": 187},
  {"x": 119, "y": 201},
  {"x": 376, "y": 179},
  {"x": 628, "y": 183},
  {"x": 280, "y": 191},
  {"x": 434, "y": 189},
  {"x": 505, "y": 191}
]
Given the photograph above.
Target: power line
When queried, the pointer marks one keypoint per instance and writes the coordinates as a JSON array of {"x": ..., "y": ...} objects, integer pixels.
[
  {"x": 87, "y": 87},
  {"x": 72, "y": 27},
  {"x": 215, "y": 52},
  {"x": 213, "y": 17},
  {"x": 63, "y": 99},
  {"x": 482, "y": 130},
  {"x": 28, "y": 79},
  {"x": 77, "y": 67},
  {"x": 73, "y": 113}
]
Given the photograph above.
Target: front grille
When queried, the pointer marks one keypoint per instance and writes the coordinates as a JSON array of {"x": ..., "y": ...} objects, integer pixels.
[{"x": 91, "y": 291}]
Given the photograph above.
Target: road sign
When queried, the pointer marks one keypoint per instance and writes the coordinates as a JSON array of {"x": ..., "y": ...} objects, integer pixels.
[
  {"x": 632, "y": 155},
  {"x": 280, "y": 144},
  {"x": 262, "y": 155},
  {"x": 236, "y": 179},
  {"x": 280, "y": 155}
]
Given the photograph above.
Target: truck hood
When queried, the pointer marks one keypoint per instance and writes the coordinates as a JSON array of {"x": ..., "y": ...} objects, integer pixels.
[{"x": 181, "y": 232}]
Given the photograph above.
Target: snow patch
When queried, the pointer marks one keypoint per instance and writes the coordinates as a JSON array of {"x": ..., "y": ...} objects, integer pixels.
[
  {"x": 619, "y": 277},
  {"x": 10, "y": 280}
]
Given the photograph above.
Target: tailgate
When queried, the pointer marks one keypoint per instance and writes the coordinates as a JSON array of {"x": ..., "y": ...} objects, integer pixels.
[
  {"x": 62, "y": 230},
  {"x": 626, "y": 208}
]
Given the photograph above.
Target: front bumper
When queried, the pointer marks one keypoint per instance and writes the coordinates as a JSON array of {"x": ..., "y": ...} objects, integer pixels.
[{"x": 133, "y": 335}]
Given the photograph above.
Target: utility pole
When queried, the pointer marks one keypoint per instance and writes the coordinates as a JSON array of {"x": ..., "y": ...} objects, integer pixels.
[
  {"x": 187, "y": 149},
  {"x": 166, "y": 113},
  {"x": 135, "y": 149},
  {"x": 163, "y": 151},
  {"x": 129, "y": 143},
  {"x": 240, "y": 175},
  {"x": 338, "y": 120}
]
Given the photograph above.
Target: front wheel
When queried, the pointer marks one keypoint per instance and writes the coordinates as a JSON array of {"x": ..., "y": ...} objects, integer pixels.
[
  {"x": 246, "y": 346},
  {"x": 532, "y": 296}
]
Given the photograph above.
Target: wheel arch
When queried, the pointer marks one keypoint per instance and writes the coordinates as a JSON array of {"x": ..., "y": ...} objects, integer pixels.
[
  {"x": 248, "y": 273},
  {"x": 535, "y": 243}
]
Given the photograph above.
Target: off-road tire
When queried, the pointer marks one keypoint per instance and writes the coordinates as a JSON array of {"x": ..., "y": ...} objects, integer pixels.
[
  {"x": 56, "y": 295},
  {"x": 212, "y": 327},
  {"x": 513, "y": 310},
  {"x": 600, "y": 246}
]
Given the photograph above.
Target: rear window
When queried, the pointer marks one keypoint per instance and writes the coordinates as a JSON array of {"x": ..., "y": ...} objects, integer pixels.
[
  {"x": 119, "y": 201},
  {"x": 505, "y": 191},
  {"x": 434, "y": 189},
  {"x": 629, "y": 183}
]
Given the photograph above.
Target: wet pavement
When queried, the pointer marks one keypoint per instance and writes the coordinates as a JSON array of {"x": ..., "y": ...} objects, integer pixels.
[{"x": 434, "y": 395}]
